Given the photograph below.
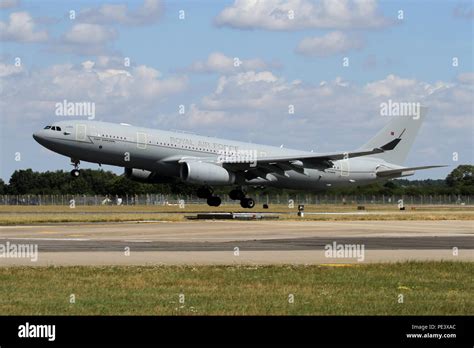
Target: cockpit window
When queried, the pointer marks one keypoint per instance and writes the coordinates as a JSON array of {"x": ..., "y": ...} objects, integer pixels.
[
  {"x": 53, "y": 128},
  {"x": 58, "y": 128},
  {"x": 47, "y": 127}
]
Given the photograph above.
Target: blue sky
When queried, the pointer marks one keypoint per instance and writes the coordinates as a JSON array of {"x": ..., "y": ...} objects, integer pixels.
[{"x": 186, "y": 62}]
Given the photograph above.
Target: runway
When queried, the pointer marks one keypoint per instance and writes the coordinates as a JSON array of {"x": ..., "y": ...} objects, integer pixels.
[{"x": 245, "y": 242}]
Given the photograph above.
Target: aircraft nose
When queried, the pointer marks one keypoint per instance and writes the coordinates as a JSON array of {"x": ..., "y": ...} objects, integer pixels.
[
  {"x": 39, "y": 136},
  {"x": 36, "y": 136}
]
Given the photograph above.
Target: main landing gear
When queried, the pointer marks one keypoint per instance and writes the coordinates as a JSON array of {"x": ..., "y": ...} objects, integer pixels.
[
  {"x": 245, "y": 202},
  {"x": 215, "y": 201},
  {"x": 75, "y": 173},
  {"x": 207, "y": 193}
]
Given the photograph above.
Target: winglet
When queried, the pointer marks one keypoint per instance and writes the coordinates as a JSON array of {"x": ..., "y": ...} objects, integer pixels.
[{"x": 391, "y": 144}]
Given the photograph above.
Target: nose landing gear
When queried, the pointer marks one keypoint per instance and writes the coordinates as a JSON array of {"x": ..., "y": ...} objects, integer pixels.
[{"x": 75, "y": 173}]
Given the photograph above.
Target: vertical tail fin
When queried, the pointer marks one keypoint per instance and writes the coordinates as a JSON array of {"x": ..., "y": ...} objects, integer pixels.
[{"x": 403, "y": 127}]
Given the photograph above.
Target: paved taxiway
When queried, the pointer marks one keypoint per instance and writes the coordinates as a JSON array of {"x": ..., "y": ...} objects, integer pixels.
[{"x": 258, "y": 242}]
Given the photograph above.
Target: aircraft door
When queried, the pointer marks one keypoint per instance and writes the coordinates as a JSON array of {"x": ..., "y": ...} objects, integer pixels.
[
  {"x": 81, "y": 132},
  {"x": 344, "y": 165},
  {"x": 141, "y": 140}
]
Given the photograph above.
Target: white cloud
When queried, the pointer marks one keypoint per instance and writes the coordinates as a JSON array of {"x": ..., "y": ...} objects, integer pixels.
[
  {"x": 198, "y": 117},
  {"x": 394, "y": 86},
  {"x": 148, "y": 13},
  {"x": 270, "y": 95},
  {"x": 106, "y": 61},
  {"x": 332, "y": 43},
  {"x": 467, "y": 78},
  {"x": 131, "y": 93},
  {"x": 220, "y": 63},
  {"x": 4, "y": 4},
  {"x": 101, "y": 63},
  {"x": 464, "y": 11},
  {"x": 89, "y": 34},
  {"x": 21, "y": 27},
  {"x": 255, "y": 106},
  {"x": 9, "y": 69},
  {"x": 246, "y": 87},
  {"x": 86, "y": 39},
  {"x": 277, "y": 14}
]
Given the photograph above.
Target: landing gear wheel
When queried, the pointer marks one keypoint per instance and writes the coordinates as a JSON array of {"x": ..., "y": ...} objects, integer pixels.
[
  {"x": 236, "y": 195},
  {"x": 214, "y": 201},
  {"x": 75, "y": 173},
  {"x": 247, "y": 203},
  {"x": 204, "y": 192},
  {"x": 250, "y": 203}
]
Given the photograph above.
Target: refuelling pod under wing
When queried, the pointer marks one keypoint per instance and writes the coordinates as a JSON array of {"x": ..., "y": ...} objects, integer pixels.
[{"x": 145, "y": 176}]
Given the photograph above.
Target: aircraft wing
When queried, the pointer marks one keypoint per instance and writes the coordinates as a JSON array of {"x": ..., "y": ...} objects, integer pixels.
[
  {"x": 259, "y": 167},
  {"x": 329, "y": 156},
  {"x": 279, "y": 164},
  {"x": 333, "y": 156},
  {"x": 403, "y": 171},
  {"x": 319, "y": 159}
]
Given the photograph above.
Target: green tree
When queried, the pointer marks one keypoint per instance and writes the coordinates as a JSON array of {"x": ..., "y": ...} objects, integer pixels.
[
  {"x": 462, "y": 175},
  {"x": 122, "y": 186},
  {"x": 23, "y": 182},
  {"x": 99, "y": 182},
  {"x": 461, "y": 179},
  {"x": 389, "y": 188}
]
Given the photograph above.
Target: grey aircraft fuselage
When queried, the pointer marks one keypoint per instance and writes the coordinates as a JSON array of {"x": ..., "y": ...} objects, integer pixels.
[{"x": 159, "y": 151}]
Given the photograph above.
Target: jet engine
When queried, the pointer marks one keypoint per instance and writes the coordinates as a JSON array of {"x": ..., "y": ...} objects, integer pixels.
[{"x": 203, "y": 173}]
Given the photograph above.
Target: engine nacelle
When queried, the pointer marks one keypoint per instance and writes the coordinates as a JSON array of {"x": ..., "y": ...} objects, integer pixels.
[
  {"x": 146, "y": 176},
  {"x": 203, "y": 173}
]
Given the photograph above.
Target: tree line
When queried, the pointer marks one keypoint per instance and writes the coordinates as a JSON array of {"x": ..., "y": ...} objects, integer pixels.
[{"x": 99, "y": 182}]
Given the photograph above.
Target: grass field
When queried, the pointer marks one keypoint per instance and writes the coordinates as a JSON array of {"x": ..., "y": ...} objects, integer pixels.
[
  {"x": 14, "y": 215},
  {"x": 428, "y": 288}
]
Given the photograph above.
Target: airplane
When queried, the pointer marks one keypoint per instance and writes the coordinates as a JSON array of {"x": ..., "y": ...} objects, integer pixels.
[{"x": 158, "y": 156}]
